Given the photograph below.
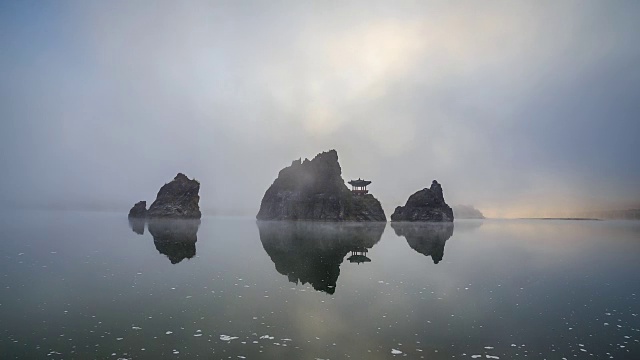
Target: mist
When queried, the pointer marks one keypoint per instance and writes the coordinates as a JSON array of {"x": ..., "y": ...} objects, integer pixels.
[{"x": 519, "y": 108}]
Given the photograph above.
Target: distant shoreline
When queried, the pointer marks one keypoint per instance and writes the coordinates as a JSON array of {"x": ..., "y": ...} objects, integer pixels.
[{"x": 553, "y": 218}]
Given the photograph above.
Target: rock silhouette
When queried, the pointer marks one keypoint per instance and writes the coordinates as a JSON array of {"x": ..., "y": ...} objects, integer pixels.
[
  {"x": 314, "y": 190},
  {"x": 467, "y": 212},
  {"x": 425, "y": 205},
  {"x": 177, "y": 199},
  {"x": 139, "y": 210},
  {"x": 426, "y": 238},
  {"x": 311, "y": 252}
]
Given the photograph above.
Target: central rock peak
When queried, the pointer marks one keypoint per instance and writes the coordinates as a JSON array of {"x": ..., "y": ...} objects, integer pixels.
[{"x": 314, "y": 190}]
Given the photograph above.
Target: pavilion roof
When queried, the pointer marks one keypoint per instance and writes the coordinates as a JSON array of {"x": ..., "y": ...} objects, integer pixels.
[{"x": 359, "y": 182}]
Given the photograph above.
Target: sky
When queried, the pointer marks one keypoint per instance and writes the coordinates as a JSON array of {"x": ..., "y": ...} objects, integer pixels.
[{"x": 520, "y": 108}]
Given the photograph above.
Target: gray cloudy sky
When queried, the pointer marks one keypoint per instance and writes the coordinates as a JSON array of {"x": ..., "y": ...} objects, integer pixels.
[{"x": 522, "y": 108}]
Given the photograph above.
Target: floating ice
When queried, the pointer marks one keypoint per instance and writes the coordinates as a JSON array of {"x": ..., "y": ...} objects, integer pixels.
[
  {"x": 396, "y": 352},
  {"x": 476, "y": 356},
  {"x": 492, "y": 357},
  {"x": 169, "y": 332},
  {"x": 227, "y": 337},
  {"x": 488, "y": 347},
  {"x": 136, "y": 328}
]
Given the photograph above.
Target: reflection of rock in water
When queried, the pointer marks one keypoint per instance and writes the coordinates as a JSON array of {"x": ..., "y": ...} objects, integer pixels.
[
  {"x": 175, "y": 238},
  {"x": 309, "y": 252},
  {"x": 137, "y": 225},
  {"x": 426, "y": 238}
]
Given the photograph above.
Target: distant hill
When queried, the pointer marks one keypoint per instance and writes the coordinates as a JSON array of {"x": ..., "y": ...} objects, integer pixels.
[
  {"x": 629, "y": 214},
  {"x": 466, "y": 212}
]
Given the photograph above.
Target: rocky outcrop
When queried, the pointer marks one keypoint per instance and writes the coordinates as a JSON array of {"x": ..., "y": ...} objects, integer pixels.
[
  {"x": 139, "y": 210},
  {"x": 312, "y": 252},
  {"x": 466, "y": 212},
  {"x": 426, "y": 238},
  {"x": 425, "y": 205},
  {"x": 177, "y": 199},
  {"x": 314, "y": 190}
]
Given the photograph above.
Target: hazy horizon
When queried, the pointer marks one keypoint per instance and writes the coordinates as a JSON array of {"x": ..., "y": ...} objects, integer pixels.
[{"x": 517, "y": 108}]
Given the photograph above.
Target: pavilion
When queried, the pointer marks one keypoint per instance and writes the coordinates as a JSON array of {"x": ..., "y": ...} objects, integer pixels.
[{"x": 359, "y": 187}]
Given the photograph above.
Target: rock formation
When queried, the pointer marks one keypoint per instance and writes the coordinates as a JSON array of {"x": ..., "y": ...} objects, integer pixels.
[
  {"x": 312, "y": 252},
  {"x": 425, "y": 205},
  {"x": 314, "y": 190},
  {"x": 466, "y": 212},
  {"x": 139, "y": 210},
  {"x": 177, "y": 199},
  {"x": 426, "y": 238}
]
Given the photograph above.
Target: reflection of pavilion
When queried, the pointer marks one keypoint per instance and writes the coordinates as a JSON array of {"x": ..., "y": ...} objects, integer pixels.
[
  {"x": 311, "y": 252},
  {"x": 359, "y": 256}
]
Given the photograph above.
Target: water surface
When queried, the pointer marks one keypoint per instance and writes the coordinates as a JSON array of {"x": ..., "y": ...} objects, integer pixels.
[{"x": 94, "y": 285}]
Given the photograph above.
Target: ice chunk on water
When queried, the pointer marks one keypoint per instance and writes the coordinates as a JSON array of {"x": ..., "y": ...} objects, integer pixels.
[
  {"x": 227, "y": 337},
  {"x": 169, "y": 332},
  {"x": 396, "y": 352}
]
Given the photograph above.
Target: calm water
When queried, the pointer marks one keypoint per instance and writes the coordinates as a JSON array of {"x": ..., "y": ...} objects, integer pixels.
[{"x": 93, "y": 285}]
